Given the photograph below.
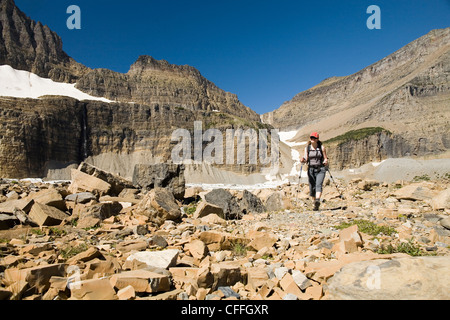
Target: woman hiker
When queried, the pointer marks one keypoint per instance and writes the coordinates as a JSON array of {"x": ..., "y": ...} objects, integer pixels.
[{"x": 316, "y": 158}]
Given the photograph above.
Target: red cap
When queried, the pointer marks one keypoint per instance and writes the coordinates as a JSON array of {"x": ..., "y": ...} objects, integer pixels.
[{"x": 315, "y": 135}]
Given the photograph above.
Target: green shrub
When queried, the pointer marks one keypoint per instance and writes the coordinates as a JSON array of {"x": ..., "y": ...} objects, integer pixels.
[
  {"x": 368, "y": 227},
  {"x": 355, "y": 135}
]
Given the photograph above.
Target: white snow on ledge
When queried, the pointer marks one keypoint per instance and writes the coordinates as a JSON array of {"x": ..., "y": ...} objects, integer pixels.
[{"x": 24, "y": 84}]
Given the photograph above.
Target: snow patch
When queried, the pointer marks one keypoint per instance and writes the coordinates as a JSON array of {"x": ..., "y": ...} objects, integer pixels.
[{"x": 24, "y": 84}]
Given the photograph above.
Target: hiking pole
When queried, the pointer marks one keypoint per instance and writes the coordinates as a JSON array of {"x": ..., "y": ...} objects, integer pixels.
[
  {"x": 340, "y": 194},
  {"x": 299, "y": 181}
]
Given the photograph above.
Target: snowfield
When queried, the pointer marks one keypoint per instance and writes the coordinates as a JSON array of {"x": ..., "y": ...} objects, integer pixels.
[{"x": 24, "y": 84}]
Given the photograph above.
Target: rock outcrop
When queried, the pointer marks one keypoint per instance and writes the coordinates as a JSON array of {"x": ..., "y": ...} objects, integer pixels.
[{"x": 41, "y": 137}]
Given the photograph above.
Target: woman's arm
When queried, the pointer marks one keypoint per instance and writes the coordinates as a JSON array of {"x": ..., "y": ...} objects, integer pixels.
[{"x": 325, "y": 157}]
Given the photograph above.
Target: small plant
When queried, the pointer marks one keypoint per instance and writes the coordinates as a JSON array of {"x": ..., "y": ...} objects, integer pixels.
[
  {"x": 239, "y": 249},
  {"x": 403, "y": 247},
  {"x": 37, "y": 232},
  {"x": 57, "y": 232},
  {"x": 70, "y": 252},
  {"x": 368, "y": 227},
  {"x": 424, "y": 177},
  {"x": 191, "y": 209}
]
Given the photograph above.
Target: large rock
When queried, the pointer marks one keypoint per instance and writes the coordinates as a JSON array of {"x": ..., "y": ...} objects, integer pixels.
[
  {"x": 415, "y": 278},
  {"x": 117, "y": 183},
  {"x": 415, "y": 192},
  {"x": 82, "y": 182},
  {"x": 157, "y": 259},
  {"x": 225, "y": 200},
  {"x": 163, "y": 175},
  {"x": 49, "y": 197},
  {"x": 7, "y": 221},
  {"x": 251, "y": 203},
  {"x": 46, "y": 216},
  {"x": 205, "y": 208},
  {"x": 159, "y": 205},
  {"x": 441, "y": 201}
]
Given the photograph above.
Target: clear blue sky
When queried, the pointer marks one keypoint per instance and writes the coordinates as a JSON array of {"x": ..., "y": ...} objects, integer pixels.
[{"x": 264, "y": 51}]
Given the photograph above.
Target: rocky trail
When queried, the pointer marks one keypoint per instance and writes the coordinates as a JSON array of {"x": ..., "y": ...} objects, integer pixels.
[{"x": 98, "y": 237}]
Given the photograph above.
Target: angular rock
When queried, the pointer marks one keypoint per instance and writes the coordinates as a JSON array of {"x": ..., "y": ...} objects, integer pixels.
[
  {"x": 159, "y": 205},
  {"x": 8, "y": 222},
  {"x": 117, "y": 183},
  {"x": 441, "y": 201},
  {"x": 205, "y": 208},
  {"x": 81, "y": 197},
  {"x": 85, "y": 256},
  {"x": 262, "y": 239},
  {"x": 127, "y": 293},
  {"x": 9, "y": 207},
  {"x": 274, "y": 202},
  {"x": 94, "y": 289},
  {"x": 82, "y": 182},
  {"x": 49, "y": 197},
  {"x": 256, "y": 277},
  {"x": 158, "y": 259},
  {"x": 251, "y": 203},
  {"x": 414, "y": 192},
  {"x": 46, "y": 216},
  {"x": 225, "y": 200},
  {"x": 412, "y": 278},
  {"x": 197, "y": 248},
  {"x": 37, "y": 277},
  {"x": 161, "y": 175},
  {"x": 141, "y": 281},
  {"x": 226, "y": 273}
]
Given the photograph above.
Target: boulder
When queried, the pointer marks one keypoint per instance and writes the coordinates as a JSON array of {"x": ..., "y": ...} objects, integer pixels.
[
  {"x": 49, "y": 197},
  {"x": 415, "y": 192},
  {"x": 204, "y": 208},
  {"x": 411, "y": 278},
  {"x": 94, "y": 289},
  {"x": 225, "y": 200},
  {"x": 9, "y": 207},
  {"x": 441, "y": 201},
  {"x": 82, "y": 182},
  {"x": 162, "y": 175},
  {"x": 117, "y": 183},
  {"x": 141, "y": 280},
  {"x": 274, "y": 202},
  {"x": 7, "y": 221},
  {"x": 158, "y": 259},
  {"x": 251, "y": 203},
  {"x": 37, "y": 277},
  {"x": 159, "y": 205},
  {"x": 81, "y": 197},
  {"x": 46, "y": 216}
]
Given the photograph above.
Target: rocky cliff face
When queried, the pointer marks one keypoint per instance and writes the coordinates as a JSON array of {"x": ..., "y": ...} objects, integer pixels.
[
  {"x": 31, "y": 46},
  {"x": 152, "y": 100},
  {"x": 151, "y": 81},
  {"x": 407, "y": 93}
]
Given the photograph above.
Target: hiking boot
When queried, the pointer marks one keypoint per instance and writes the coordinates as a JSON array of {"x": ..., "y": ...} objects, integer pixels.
[{"x": 316, "y": 205}]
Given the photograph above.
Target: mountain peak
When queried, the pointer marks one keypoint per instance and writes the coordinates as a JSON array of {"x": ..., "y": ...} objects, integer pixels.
[
  {"x": 44, "y": 53},
  {"x": 147, "y": 63}
]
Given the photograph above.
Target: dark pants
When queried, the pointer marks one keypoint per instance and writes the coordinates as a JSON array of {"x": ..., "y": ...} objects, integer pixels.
[{"x": 316, "y": 177}]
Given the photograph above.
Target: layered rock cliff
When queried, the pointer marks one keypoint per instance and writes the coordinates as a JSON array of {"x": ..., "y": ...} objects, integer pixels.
[
  {"x": 152, "y": 100},
  {"x": 152, "y": 81}
]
